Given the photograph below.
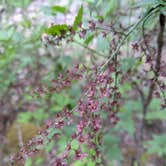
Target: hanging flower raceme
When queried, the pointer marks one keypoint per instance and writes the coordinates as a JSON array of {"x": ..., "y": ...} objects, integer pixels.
[{"x": 94, "y": 107}]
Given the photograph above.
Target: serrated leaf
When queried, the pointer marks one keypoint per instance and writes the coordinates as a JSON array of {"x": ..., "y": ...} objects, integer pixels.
[
  {"x": 57, "y": 29},
  {"x": 89, "y": 39},
  {"x": 78, "y": 18}
]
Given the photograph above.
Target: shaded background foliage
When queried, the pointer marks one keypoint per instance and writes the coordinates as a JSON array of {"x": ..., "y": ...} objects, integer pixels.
[{"x": 28, "y": 62}]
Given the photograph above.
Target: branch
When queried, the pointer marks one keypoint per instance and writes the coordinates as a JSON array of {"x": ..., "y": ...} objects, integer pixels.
[
  {"x": 160, "y": 43},
  {"x": 142, "y": 95},
  {"x": 149, "y": 13}
]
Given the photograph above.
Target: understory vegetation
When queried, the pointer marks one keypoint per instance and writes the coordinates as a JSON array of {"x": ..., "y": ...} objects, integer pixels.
[{"x": 82, "y": 83}]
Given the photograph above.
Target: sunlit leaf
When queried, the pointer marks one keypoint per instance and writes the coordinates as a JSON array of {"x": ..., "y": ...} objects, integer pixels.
[
  {"x": 28, "y": 162},
  {"x": 78, "y": 18},
  {"x": 57, "y": 29},
  {"x": 60, "y": 9},
  {"x": 53, "y": 10}
]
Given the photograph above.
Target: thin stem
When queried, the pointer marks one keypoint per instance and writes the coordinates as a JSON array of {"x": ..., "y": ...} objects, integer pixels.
[
  {"x": 111, "y": 30},
  {"x": 141, "y": 93},
  {"x": 127, "y": 35},
  {"x": 89, "y": 49}
]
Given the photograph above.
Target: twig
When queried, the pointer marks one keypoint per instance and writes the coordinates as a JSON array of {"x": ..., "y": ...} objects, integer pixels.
[
  {"x": 88, "y": 48},
  {"x": 112, "y": 29},
  {"x": 142, "y": 95},
  {"x": 160, "y": 43},
  {"x": 154, "y": 10}
]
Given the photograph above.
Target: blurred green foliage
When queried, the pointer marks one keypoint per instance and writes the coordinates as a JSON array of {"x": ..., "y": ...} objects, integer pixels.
[{"x": 21, "y": 51}]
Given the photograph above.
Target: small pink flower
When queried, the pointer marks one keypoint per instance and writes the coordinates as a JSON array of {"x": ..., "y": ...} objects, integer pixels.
[
  {"x": 80, "y": 127},
  {"x": 93, "y": 105}
]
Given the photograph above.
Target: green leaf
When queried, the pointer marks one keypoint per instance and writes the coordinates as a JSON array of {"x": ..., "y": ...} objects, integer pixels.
[
  {"x": 22, "y": 3},
  {"x": 128, "y": 64},
  {"x": 61, "y": 99},
  {"x": 163, "y": 10},
  {"x": 111, "y": 147},
  {"x": 155, "y": 104},
  {"x": 147, "y": 3},
  {"x": 78, "y": 18},
  {"x": 6, "y": 34},
  {"x": 102, "y": 44},
  {"x": 53, "y": 131},
  {"x": 92, "y": 152},
  {"x": 157, "y": 145},
  {"x": 62, "y": 144},
  {"x": 24, "y": 117},
  {"x": 28, "y": 162},
  {"x": 110, "y": 7},
  {"x": 26, "y": 23},
  {"x": 74, "y": 145},
  {"x": 65, "y": 60},
  {"x": 53, "y": 10},
  {"x": 57, "y": 29},
  {"x": 49, "y": 146},
  {"x": 126, "y": 115},
  {"x": 60, "y": 9},
  {"x": 127, "y": 124},
  {"x": 161, "y": 115},
  {"x": 89, "y": 39},
  {"x": 39, "y": 161},
  {"x": 78, "y": 163}
]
